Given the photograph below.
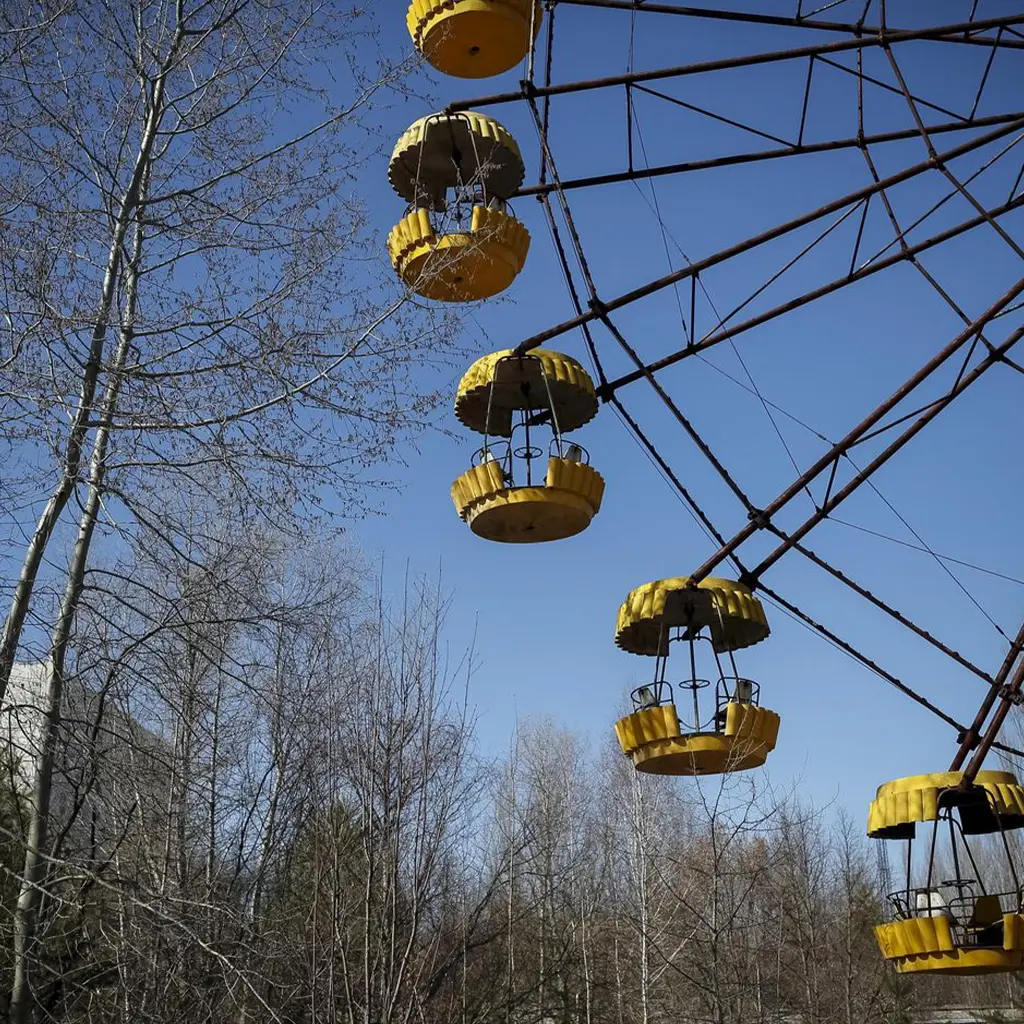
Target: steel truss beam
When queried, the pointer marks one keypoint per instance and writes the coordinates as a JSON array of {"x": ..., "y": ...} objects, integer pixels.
[
  {"x": 762, "y": 519},
  {"x": 529, "y": 90},
  {"x": 832, "y": 145},
  {"x": 600, "y": 309},
  {"x": 735, "y": 16},
  {"x": 901, "y": 255},
  {"x": 847, "y": 28}
]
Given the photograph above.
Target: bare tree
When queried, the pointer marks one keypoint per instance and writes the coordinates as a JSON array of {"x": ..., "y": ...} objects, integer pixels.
[
  {"x": 185, "y": 297},
  {"x": 267, "y": 806},
  {"x": 387, "y": 890}
]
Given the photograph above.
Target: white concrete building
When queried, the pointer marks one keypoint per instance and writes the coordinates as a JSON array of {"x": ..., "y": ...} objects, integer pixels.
[{"x": 21, "y": 722}]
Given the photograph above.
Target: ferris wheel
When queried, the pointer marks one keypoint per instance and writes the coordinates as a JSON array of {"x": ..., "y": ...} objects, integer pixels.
[{"x": 460, "y": 170}]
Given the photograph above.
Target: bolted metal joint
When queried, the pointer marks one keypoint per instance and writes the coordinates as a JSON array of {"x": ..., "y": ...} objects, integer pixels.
[
  {"x": 1012, "y": 696},
  {"x": 749, "y": 580},
  {"x": 968, "y": 738},
  {"x": 759, "y": 518}
]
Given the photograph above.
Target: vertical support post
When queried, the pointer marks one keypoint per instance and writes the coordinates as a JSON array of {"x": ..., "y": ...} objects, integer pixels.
[
  {"x": 970, "y": 737},
  {"x": 1008, "y": 696}
]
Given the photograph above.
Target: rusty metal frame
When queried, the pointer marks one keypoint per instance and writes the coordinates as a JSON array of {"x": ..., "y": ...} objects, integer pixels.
[
  {"x": 955, "y": 32},
  {"x": 698, "y": 266},
  {"x": 595, "y": 309},
  {"x": 800, "y": 149},
  {"x": 748, "y": 17}
]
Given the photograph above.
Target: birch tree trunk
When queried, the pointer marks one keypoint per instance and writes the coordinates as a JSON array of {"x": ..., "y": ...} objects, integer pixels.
[{"x": 34, "y": 868}]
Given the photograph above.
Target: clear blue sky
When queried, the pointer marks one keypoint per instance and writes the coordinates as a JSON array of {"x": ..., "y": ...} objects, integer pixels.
[{"x": 543, "y": 615}]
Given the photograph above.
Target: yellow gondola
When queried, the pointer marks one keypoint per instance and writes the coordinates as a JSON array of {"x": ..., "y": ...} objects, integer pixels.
[
  {"x": 507, "y": 396},
  {"x": 473, "y": 38},
  {"x": 955, "y": 925},
  {"x": 471, "y": 247},
  {"x": 739, "y": 734}
]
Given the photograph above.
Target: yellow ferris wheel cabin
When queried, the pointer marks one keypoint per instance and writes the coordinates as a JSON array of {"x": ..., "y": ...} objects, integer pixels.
[
  {"x": 473, "y": 38},
  {"x": 738, "y": 733},
  {"x": 957, "y": 912},
  {"x": 514, "y": 400},
  {"x": 458, "y": 242}
]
